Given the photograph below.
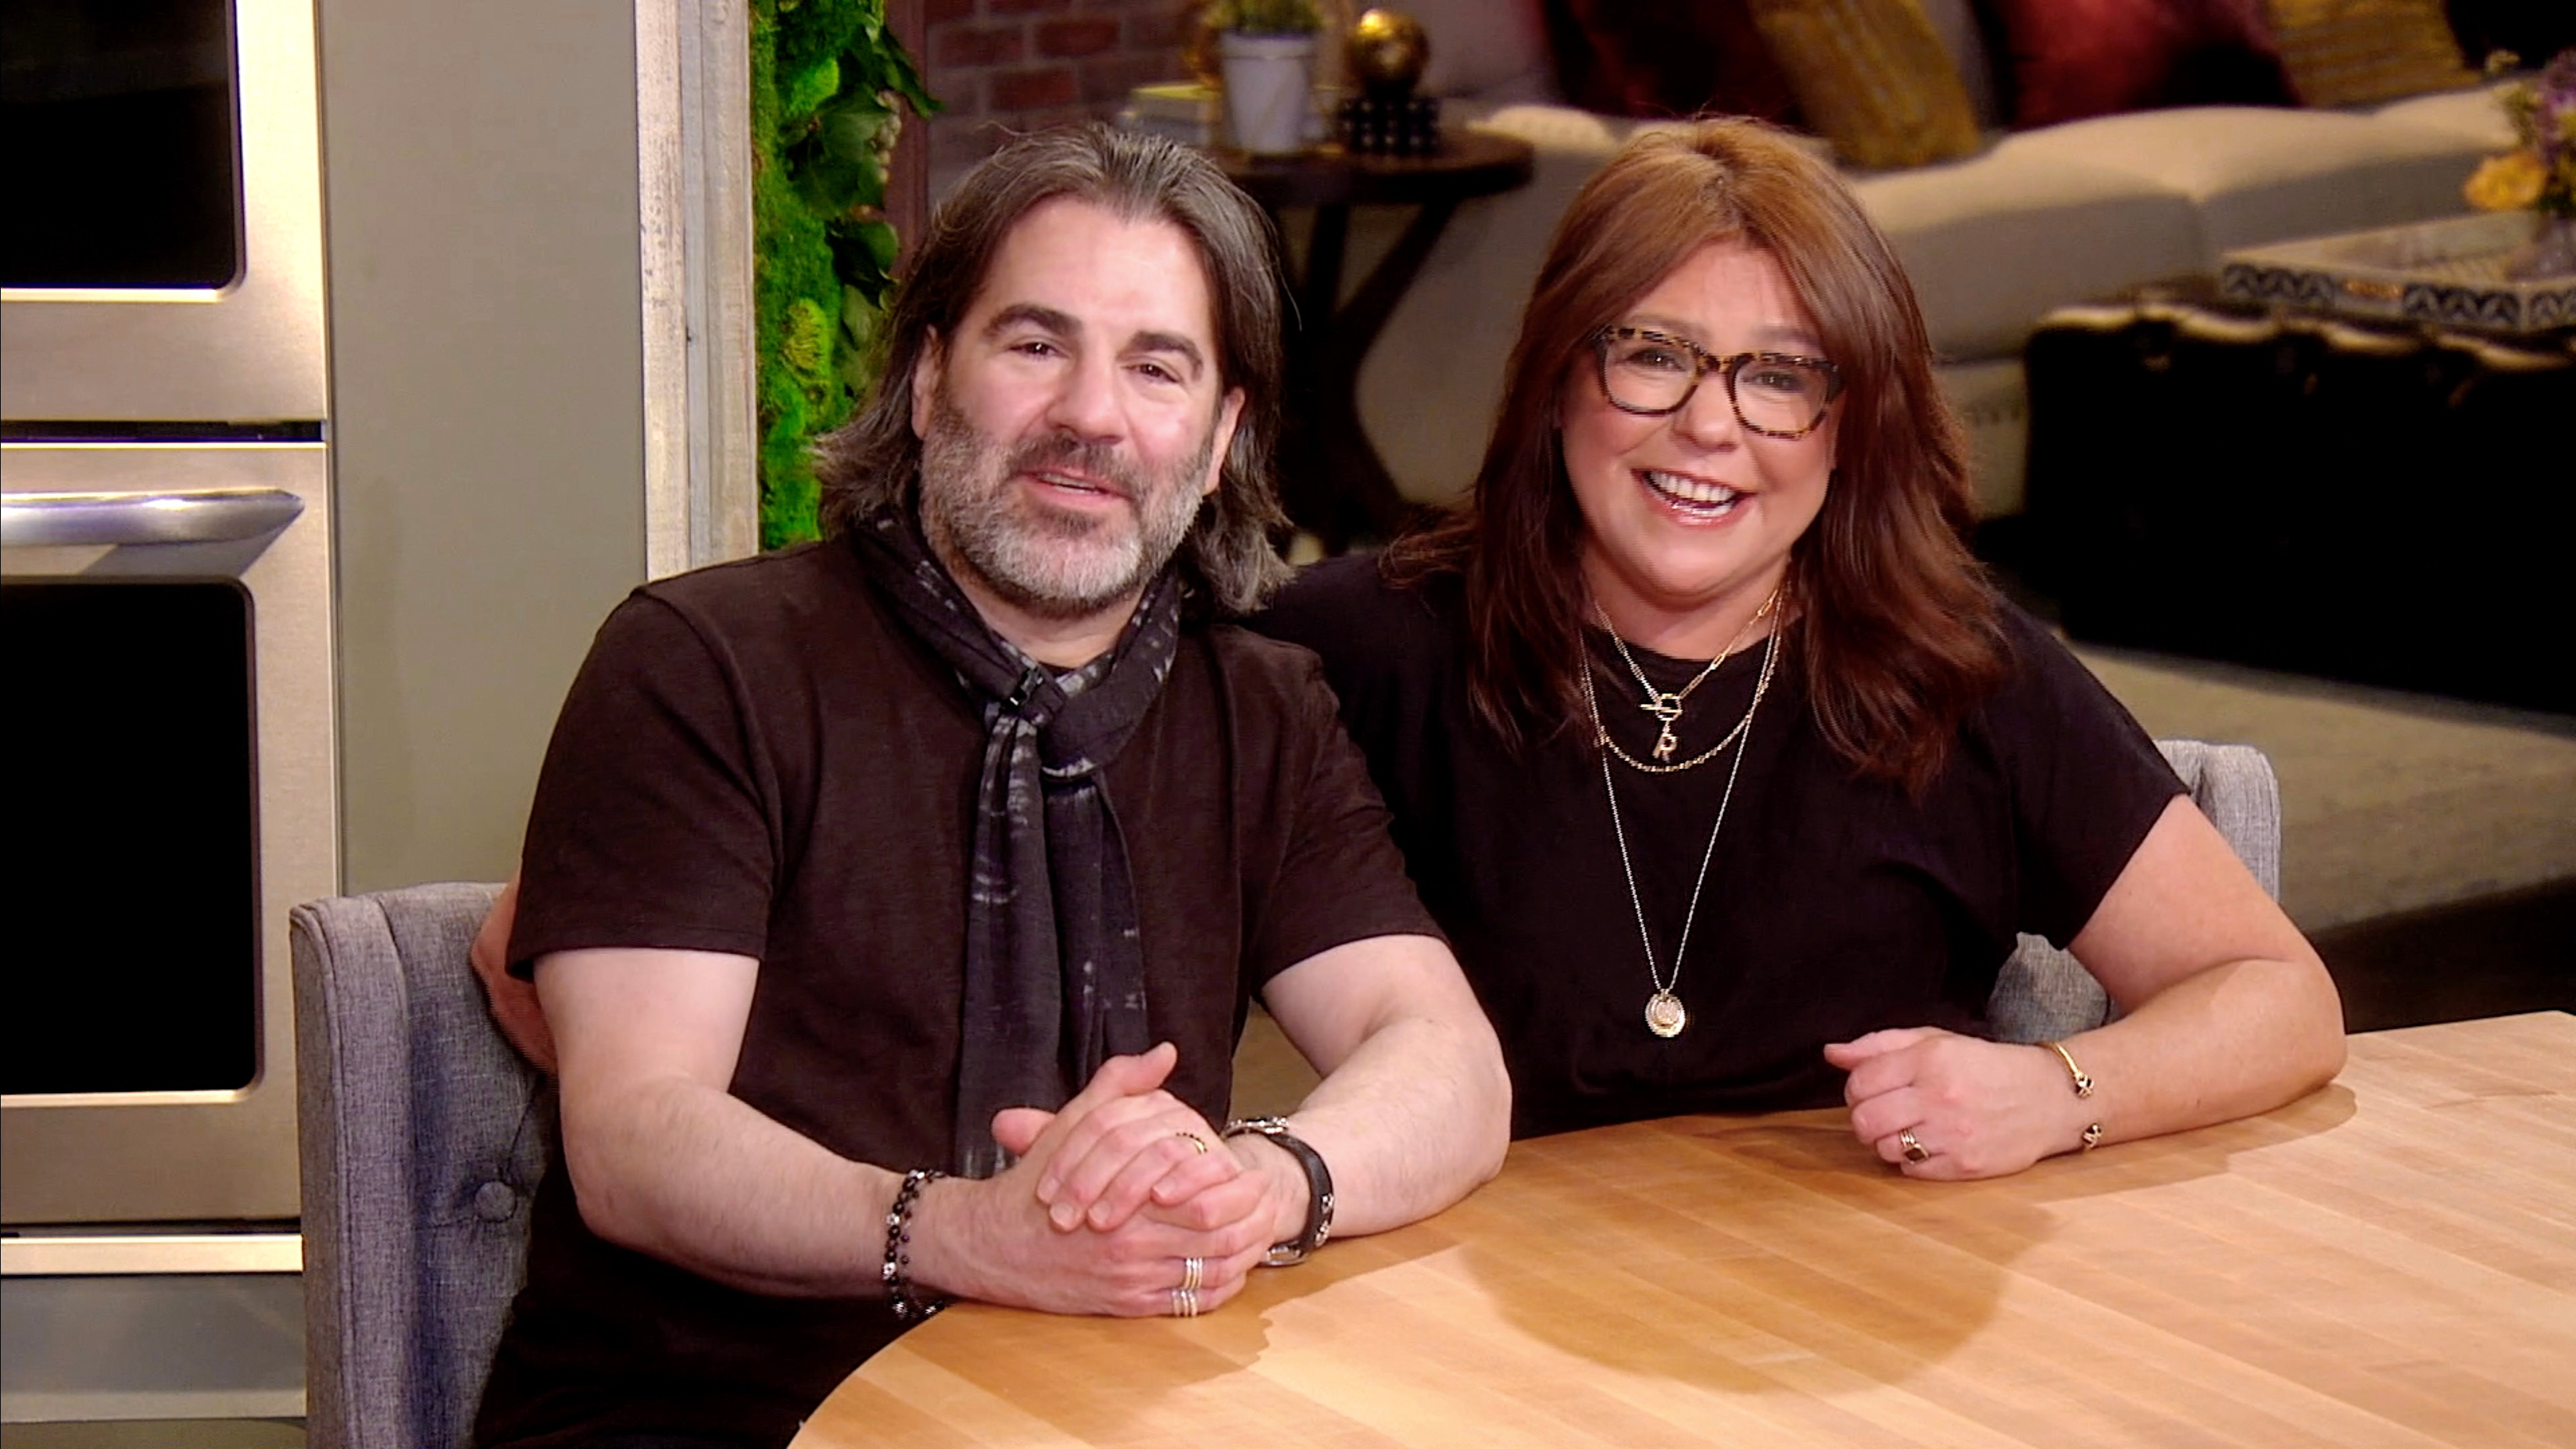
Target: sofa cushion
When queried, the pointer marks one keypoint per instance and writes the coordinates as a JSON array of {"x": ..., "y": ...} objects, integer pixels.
[
  {"x": 1963, "y": 34},
  {"x": 1873, "y": 77},
  {"x": 2353, "y": 52},
  {"x": 2474, "y": 115},
  {"x": 2262, "y": 175},
  {"x": 1480, "y": 46},
  {"x": 1995, "y": 241},
  {"x": 1665, "y": 58},
  {"x": 2075, "y": 58}
]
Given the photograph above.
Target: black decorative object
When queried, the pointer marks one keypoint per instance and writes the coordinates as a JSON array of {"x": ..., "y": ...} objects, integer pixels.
[{"x": 1409, "y": 126}]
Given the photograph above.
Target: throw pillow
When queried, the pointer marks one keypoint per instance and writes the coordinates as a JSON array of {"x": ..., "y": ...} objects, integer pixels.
[
  {"x": 1476, "y": 45},
  {"x": 1873, "y": 77},
  {"x": 2078, "y": 58},
  {"x": 1665, "y": 58},
  {"x": 2353, "y": 52}
]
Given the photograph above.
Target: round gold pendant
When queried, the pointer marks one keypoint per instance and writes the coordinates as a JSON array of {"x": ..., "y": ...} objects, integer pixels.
[{"x": 1664, "y": 1014}]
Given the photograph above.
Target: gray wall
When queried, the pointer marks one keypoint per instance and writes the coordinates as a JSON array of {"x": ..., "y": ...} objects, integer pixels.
[{"x": 479, "y": 163}]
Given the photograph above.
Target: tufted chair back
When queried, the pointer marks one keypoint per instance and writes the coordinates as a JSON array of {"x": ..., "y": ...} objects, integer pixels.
[{"x": 423, "y": 1137}]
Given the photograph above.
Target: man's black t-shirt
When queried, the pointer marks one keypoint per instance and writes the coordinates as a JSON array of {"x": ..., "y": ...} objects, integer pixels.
[
  {"x": 1833, "y": 906},
  {"x": 756, "y": 760}
]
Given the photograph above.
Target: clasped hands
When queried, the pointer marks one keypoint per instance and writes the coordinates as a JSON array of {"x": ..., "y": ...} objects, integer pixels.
[
  {"x": 1967, "y": 1108},
  {"x": 1112, "y": 1196}
]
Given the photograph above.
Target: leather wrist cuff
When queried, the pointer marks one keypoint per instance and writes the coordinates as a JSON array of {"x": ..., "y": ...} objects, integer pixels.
[{"x": 1319, "y": 1189}]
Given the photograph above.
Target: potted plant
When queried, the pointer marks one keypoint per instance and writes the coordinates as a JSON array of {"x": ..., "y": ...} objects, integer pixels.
[{"x": 1266, "y": 53}]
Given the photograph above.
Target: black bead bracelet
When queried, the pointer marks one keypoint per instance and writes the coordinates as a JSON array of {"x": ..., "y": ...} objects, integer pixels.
[{"x": 908, "y": 1306}]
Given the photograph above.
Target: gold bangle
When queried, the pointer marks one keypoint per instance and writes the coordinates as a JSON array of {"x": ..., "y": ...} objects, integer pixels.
[
  {"x": 2083, "y": 1083},
  {"x": 2083, "y": 1088}
]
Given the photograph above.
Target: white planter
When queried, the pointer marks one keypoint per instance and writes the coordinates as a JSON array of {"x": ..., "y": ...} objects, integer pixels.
[{"x": 1269, "y": 83}]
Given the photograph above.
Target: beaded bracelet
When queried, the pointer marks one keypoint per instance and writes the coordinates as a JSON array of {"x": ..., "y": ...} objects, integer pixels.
[{"x": 908, "y": 1306}]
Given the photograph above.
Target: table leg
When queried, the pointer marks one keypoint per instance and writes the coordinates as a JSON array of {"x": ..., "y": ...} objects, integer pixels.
[{"x": 1331, "y": 480}]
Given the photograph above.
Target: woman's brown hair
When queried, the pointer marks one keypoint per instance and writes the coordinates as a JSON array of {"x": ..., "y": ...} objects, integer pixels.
[{"x": 1894, "y": 626}]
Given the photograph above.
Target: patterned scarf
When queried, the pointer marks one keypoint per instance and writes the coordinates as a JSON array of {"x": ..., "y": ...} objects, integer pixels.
[{"x": 1055, "y": 970}]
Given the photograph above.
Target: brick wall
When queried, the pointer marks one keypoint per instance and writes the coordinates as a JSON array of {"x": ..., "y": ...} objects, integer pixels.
[{"x": 1020, "y": 64}]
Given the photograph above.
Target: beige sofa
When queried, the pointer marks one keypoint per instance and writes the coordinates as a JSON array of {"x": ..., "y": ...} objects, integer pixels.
[{"x": 2034, "y": 220}]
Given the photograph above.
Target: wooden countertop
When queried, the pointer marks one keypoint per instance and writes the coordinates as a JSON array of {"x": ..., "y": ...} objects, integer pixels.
[{"x": 2391, "y": 1261}]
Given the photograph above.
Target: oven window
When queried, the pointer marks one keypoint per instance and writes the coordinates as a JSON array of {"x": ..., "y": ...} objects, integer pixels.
[
  {"x": 119, "y": 142},
  {"x": 133, "y": 961}
]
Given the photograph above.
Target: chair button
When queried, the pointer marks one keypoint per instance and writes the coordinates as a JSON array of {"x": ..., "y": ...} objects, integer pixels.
[{"x": 495, "y": 1201}]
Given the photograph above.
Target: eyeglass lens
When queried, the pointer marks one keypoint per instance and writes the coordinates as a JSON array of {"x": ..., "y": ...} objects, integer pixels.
[{"x": 1650, "y": 374}]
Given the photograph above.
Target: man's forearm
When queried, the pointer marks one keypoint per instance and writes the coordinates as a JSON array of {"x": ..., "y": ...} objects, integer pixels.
[
  {"x": 1414, "y": 1119},
  {"x": 693, "y": 1176}
]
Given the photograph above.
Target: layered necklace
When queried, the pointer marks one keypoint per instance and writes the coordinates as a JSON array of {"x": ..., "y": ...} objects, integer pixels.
[{"x": 1665, "y": 1016}]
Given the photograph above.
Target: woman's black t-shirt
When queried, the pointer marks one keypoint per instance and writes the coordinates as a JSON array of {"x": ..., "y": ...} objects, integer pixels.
[{"x": 1833, "y": 905}]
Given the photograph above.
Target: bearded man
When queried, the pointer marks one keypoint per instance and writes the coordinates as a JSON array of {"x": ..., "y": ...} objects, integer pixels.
[{"x": 895, "y": 901}]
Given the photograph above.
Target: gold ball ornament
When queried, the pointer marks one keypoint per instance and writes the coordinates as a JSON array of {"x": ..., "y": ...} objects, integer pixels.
[{"x": 1387, "y": 53}]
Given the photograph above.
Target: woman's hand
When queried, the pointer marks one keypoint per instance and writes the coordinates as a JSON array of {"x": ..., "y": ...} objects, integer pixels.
[
  {"x": 1977, "y": 1108},
  {"x": 513, "y": 1001}
]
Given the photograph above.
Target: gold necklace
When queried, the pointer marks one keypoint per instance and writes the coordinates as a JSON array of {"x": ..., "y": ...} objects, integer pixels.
[
  {"x": 1664, "y": 1014},
  {"x": 1667, "y": 707}
]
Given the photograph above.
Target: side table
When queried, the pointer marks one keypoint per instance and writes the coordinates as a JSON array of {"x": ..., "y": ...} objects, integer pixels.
[
  {"x": 2384, "y": 502},
  {"x": 1332, "y": 481}
]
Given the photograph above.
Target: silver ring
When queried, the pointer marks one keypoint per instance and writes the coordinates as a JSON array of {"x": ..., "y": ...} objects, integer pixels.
[
  {"x": 1193, "y": 1273},
  {"x": 1915, "y": 1151},
  {"x": 1197, "y": 1143},
  {"x": 1185, "y": 1302}
]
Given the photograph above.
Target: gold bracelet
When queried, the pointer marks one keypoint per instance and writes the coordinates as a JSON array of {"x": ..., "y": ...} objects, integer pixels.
[
  {"x": 2083, "y": 1088},
  {"x": 2083, "y": 1083}
]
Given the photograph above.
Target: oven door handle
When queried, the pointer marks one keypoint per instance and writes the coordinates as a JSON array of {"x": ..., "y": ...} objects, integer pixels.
[{"x": 50, "y": 520}]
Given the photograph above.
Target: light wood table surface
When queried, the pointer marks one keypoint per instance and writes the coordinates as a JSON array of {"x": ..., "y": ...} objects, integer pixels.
[{"x": 2391, "y": 1261}]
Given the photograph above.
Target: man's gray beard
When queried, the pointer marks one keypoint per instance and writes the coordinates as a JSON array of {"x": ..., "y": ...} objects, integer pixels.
[{"x": 1054, "y": 565}]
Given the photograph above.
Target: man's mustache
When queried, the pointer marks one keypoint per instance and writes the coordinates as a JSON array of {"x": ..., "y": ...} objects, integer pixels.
[{"x": 1096, "y": 460}]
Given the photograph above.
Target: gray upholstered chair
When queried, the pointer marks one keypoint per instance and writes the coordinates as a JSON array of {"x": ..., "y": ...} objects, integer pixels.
[
  {"x": 423, "y": 1138},
  {"x": 2044, "y": 993}
]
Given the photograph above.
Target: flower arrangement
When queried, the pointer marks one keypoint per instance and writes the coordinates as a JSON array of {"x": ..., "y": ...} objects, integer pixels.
[{"x": 2540, "y": 173}]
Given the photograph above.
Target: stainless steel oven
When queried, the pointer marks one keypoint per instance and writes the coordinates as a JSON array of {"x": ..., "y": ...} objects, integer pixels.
[
  {"x": 166, "y": 591},
  {"x": 171, "y": 747},
  {"x": 161, "y": 260},
  {"x": 170, "y": 659}
]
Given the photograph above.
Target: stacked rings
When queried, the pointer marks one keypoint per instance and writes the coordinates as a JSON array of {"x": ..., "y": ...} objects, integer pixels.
[
  {"x": 1915, "y": 1151},
  {"x": 1185, "y": 1303}
]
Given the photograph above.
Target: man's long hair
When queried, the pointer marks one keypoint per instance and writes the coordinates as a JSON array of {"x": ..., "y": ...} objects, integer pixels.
[
  {"x": 1895, "y": 628},
  {"x": 875, "y": 459}
]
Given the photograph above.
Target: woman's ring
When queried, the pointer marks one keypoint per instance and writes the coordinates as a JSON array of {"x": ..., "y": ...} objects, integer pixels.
[
  {"x": 1193, "y": 1273},
  {"x": 1185, "y": 1303},
  {"x": 1915, "y": 1151},
  {"x": 1197, "y": 1143}
]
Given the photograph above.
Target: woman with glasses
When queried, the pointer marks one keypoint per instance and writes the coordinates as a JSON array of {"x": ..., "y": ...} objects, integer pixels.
[{"x": 1728, "y": 773}]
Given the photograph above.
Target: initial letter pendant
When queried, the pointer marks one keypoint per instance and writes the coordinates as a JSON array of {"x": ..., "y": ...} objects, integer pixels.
[
  {"x": 1664, "y": 1014},
  {"x": 1667, "y": 708}
]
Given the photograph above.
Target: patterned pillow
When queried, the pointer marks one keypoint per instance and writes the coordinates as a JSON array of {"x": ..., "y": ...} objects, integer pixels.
[
  {"x": 1873, "y": 77},
  {"x": 2352, "y": 52},
  {"x": 2076, "y": 58},
  {"x": 1665, "y": 58}
]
